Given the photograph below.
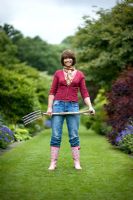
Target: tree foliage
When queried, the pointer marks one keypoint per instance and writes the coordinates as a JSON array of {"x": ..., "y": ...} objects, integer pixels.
[
  {"x": 38, "y": 54},
  {"x": 33, "y": 51},
  {"x": 12, "y": 33},
  {"x": 8, "y": 50},
  {"x": 105, "y": 45}
]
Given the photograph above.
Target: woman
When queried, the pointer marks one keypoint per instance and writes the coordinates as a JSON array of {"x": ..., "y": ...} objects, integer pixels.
[{"x": 63, "y": 97}]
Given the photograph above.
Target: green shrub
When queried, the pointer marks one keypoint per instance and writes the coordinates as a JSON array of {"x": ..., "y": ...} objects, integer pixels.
[
  {"x": 126, "y": 144},
  {"x": 21, "y": 134}
]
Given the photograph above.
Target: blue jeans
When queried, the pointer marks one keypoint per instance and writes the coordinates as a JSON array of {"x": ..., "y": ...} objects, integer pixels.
[{"x": 71, "y": 120}]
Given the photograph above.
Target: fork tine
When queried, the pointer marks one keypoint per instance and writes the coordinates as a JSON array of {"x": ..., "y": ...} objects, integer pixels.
[
  {"x": 27, "y": 121},
  {"x": 31, "y": 120},
  {"x": 32, "y": 116},
  {"x": 32, "y": 113}
]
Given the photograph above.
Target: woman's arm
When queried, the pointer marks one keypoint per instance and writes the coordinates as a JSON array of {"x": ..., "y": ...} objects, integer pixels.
[
  {"x": 52, "y": 93},
  {"x": 85, "y": 95},
  {"x": 50, "y": 104}
]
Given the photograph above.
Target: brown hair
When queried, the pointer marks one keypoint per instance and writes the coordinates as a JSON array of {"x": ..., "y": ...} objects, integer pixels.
[{"x": 68, "y": 54}]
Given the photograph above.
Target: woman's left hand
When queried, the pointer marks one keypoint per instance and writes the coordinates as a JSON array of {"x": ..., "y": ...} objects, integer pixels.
[{"x": 92, "y": 111}]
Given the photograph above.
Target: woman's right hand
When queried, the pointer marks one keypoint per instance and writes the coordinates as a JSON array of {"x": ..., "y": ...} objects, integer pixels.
[{"x": 49, "y": 111}]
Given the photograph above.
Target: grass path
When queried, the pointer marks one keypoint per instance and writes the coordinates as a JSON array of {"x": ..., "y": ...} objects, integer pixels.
[{"x": 107, "y": 173}]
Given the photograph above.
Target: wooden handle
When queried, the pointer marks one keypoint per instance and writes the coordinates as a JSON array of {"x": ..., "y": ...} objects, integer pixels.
[{"x": 69, "y": 113}]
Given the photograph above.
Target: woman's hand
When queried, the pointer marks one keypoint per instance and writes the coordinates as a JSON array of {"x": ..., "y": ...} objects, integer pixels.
[
  {"x": 49, "y": 111},
  {"x": 91, "y": 110},
  {"x": 88, "y": 103}
]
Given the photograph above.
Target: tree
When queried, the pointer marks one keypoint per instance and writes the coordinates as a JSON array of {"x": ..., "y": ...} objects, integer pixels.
[
  {"x": 7, "y": 50},
  {"x": 38, "y": 54},
  {"x": 12, "y": 33},
  {"x": 34, "y": 52},
  {"x": 105, "y": 45}
]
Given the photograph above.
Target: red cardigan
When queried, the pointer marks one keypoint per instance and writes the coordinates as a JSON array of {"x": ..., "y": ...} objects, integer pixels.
[{"x": 64, "y": 92}]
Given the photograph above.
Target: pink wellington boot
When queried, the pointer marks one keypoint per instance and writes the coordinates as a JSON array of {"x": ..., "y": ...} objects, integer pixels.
[
  {"x": 54, "y": 157},
  {"x": 76, "y": 157}
]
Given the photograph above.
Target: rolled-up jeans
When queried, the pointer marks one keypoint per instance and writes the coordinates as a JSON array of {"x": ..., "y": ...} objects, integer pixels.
[{"x": 71, "y": 120}]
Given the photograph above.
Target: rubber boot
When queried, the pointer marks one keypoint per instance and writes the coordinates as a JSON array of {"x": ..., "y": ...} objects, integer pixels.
[
  {"x": 76, "y": 157},
  {"x": 54, "y": 157}
]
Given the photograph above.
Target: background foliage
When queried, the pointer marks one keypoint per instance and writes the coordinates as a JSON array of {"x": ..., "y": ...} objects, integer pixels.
[{"x": 103, "y": 48}]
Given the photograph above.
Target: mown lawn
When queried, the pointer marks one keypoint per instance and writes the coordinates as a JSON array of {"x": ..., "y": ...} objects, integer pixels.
[{"x": 107, "y": 173}]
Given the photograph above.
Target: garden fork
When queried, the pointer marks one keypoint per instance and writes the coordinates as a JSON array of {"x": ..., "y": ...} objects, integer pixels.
[{"x": 27, "y": 119}]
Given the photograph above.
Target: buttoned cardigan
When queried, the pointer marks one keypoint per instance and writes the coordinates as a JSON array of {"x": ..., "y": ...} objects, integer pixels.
[{"x": 64, "y": 92}]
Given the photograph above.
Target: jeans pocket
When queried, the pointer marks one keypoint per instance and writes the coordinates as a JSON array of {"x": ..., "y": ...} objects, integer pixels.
[
  {"x": 56, "y": 102},
  {"x": 58, "y": 106},
  {"x": 75, "y": 106}
]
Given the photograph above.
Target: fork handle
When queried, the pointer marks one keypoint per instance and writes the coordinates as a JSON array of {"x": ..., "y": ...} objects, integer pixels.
[{"x": 68, "y": 113}]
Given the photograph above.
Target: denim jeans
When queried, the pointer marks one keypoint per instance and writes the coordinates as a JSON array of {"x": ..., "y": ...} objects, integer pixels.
[{"x": 71, "y": 120}]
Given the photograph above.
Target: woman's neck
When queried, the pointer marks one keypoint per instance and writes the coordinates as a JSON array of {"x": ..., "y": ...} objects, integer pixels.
[{"x": 72, "y": 68}]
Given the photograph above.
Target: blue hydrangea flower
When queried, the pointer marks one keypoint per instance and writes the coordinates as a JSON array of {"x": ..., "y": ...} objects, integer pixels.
[
  {"x": 6, "y": 135},
  {"x": 123, "y": 133}
]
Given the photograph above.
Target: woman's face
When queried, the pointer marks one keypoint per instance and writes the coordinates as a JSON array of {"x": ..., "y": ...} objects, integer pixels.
[{"x": 68, "y": 62}]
